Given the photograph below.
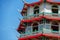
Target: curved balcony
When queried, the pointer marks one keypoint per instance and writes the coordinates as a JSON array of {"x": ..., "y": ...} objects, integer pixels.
[
  {"x": 54, "y": 33},
  {"x": 32, "y": 16},
  {"x": 41, "y": 14},
  {"x": 41, "y": 30}
]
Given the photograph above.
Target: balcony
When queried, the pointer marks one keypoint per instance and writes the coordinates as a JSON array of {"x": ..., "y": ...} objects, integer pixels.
[
  {"x": 43, "y": 13},
  {"x": 49, "y": 31},
  {"x": 32, "y": 16},
  {"x": 36, "y": 32},
  {"x": 53, "y": 14},
  {"x": 41, "y": 29}
]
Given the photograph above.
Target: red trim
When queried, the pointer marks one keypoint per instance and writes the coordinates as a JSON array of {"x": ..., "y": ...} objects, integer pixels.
[
  {"x": 39, "y": 18},
  {"x": 23, "y": 10},
  {"x": 38, "y": 3},
  {"x": 39, "y": 35},
  {"x": 20, "y": 28},
  {"x": 52, "y": 35},
  {"x": 32, "y": 19},
  {"x": 52, "y": 1},
  {"x": 52, "y": 18},
  {"x": 30, "y": 37},
  {"x": 26, "y": 20},
  {"x": 32, "y": 4}
]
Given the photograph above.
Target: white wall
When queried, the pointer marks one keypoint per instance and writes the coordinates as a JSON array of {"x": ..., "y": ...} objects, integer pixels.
[
  {"x": 47, "y": 28},
  {"x": 44, "y": 7},
  {"x": 41, "y": 7},
  {"x": 28, "y": 30},
  {"x": 48, "y": 8},
  {"x": 59, "y": 9},
  {"x": 30, "y": 11}
]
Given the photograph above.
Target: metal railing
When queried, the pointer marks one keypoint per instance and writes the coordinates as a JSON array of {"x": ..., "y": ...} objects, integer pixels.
[
  {"x": 53, "y": 14},
  {"x": 33, "y": 33},
  {"x": 43, "y": 13},
  {"x": 55, "y": 32},
  {"x": 33, "y": 15},
  {"x": 42, "y": 30}
]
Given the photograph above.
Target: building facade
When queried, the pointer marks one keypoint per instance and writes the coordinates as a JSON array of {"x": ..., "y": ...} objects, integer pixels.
[{"x": 41, "y": 21}]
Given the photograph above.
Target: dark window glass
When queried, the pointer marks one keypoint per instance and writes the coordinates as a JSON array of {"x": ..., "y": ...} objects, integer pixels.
[
  {"x": 55, "y": 9},
  {"x": 21, "y": 31},
  {"x": 55, "y": 26},
  {"x": 36, "y": 10},
  {"x": 35, "y": 27}
]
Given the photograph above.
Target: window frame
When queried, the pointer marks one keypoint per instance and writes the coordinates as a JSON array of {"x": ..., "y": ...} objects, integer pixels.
[
  {"x": 55, "y": 7},
  {"x": 33, "y": 25},
  {"x": 36, "y": 10},
  {"x": 56, "y": 25}
]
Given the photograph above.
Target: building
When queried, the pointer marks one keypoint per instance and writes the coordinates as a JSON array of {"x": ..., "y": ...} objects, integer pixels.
[{"x": 41, "y": 21}]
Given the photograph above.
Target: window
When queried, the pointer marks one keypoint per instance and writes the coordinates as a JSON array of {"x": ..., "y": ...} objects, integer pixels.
[
  {"x": 55, "y": 9},
  {"x": 21, "y": 31},
  {"x": 36, "y": 10},
  {"x": 55, "y": 26},
  {"x": 35, "y": 27}
]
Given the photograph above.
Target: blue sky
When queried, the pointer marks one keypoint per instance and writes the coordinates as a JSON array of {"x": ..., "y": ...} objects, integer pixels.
[{"x": 9, "y": 18}]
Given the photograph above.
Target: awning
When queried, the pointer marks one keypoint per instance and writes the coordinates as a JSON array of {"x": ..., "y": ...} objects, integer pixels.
[
  {"x": 52, "y": 18},
  {"x": 54, "y": 1},
  {"x": 52, "y": 35},
  {"x": 32, "y": 19}
]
